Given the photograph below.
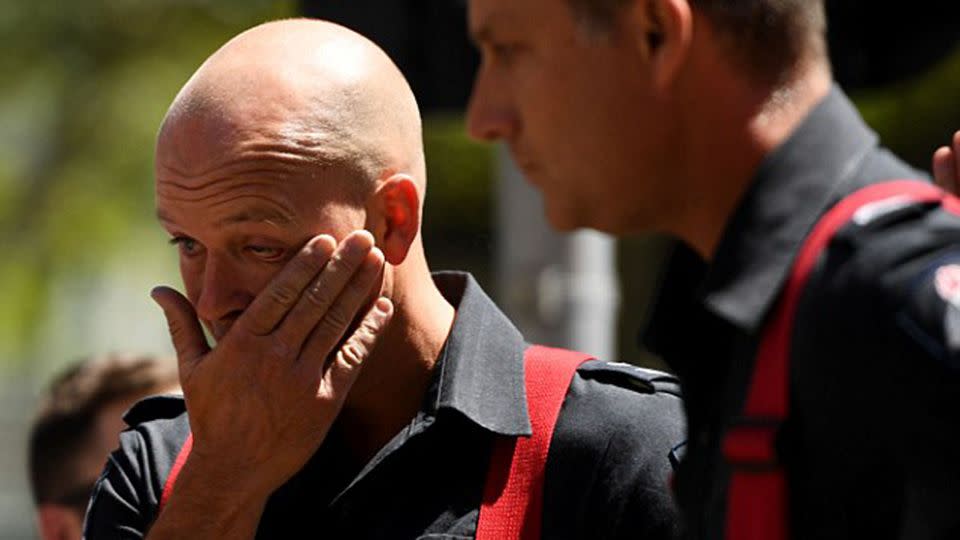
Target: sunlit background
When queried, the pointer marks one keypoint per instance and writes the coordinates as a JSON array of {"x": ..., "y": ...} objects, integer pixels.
[{"x": 83, "y": 86}]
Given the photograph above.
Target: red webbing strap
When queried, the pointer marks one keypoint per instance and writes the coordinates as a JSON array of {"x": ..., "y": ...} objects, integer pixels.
[
  {"x": 757, "y": 494},
  {"x": 175, "y": 471},
  {"x": 513, "y": 496}
]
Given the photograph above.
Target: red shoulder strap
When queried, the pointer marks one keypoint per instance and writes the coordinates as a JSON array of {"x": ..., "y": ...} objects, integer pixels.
[
  {"x": 513, "y": 496},
  {"x": 757, "y": 494},
  {"x": 175, "y": 471}
]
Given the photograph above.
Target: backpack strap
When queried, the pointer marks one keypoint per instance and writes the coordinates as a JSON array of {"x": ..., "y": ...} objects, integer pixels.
[
  {"x": 513, "y": 496},
  {"x": 757, "y": 505}
]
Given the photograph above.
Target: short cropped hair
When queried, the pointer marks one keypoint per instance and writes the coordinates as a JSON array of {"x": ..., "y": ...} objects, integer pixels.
[
  {"x": 65, "y": 426},
  {"x": 767, "y": 37}
]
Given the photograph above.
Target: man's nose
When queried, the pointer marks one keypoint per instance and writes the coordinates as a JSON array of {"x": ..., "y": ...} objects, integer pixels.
[
  {"x": 222, "y": 294},
  {"x": 490, "y": 115}
]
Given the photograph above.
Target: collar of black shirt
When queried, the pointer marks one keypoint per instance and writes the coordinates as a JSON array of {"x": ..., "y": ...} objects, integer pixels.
[
  {"x": 480, "y": 372},
  {"x": 793, "y": 186}
]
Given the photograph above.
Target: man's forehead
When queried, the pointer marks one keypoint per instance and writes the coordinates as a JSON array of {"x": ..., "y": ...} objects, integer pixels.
[
  {"x": 191, "y": 143},
  {"x": 252, "y": 212},
  {"x": 495, "y": 20}
]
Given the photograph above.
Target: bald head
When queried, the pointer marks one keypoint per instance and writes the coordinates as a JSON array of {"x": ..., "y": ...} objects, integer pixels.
[{"x": 308, "y": 91}]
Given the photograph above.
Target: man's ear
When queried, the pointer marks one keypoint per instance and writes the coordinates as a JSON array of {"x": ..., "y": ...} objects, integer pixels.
[
  {"x": 397, "y": 215},
  {"x": 663, "y": 30}
]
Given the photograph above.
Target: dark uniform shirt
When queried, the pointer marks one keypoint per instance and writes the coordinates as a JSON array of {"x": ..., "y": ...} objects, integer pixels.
[
  {"x": 606, "y": 474},
  {"x": 872, "y": 444}
]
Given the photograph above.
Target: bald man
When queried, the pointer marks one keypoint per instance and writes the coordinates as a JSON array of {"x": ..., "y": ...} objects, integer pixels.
[{"x": 290, "y": 176}]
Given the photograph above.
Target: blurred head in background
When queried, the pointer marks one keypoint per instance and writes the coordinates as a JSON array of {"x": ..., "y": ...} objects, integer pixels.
[{"x": 76, "y": 427}]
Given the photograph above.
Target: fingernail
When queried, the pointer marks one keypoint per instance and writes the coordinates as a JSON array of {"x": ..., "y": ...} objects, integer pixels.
[
  {"x": 320, "y": 246},
  {"x": 325, "y": 239},
  {"x": 359, "y": 242},
  {"x": 383, "y": 307}
]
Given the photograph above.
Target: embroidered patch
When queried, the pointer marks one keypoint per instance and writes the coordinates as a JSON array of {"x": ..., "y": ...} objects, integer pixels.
[
  {"x": 947, "y": 283},
  {"x": 931, "y": 313}
]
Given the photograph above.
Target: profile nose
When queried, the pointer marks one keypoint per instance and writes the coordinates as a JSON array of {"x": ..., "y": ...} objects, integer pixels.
[{"x": 490, "y": 116}]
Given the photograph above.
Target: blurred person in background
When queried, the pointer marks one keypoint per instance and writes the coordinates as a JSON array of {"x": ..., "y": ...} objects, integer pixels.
[
  {"x": 351, "y": 393},
  {"x": 77, "y": 426},
  {"x": 812, "y": 311}
]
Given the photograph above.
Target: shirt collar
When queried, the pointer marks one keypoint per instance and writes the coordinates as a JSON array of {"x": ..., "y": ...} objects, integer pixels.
[
  {"x": 480, "y": 373},
  {"x": 793, "y": 186}
]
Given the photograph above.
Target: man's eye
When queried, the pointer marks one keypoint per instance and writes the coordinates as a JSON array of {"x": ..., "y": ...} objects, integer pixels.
[
  {"x": 265, "y": 252},
  {"x": 504, "y": 52},
  {"x": 186, "y": 245}
]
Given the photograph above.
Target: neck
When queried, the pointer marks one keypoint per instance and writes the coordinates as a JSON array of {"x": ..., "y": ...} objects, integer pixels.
[
  {"x": 391, "y": 387},
  {"x": 734, "y": 132}
]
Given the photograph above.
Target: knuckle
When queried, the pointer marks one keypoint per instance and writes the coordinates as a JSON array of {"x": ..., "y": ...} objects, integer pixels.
[
  {"x": 277, "y": 347},
  {"x": 338, "y": 260},
  {"x": 302, "y": 269},
  {"x": 176, "y": 329},
  {"x": 353, "y": 353},
  {"x": 318, "y": 296},
  {"x": 303, "y": 265},
  {"x": 283, "y": 294},
  {"x": 336, "y": 319},
  {"x": 368, "y": 330}
]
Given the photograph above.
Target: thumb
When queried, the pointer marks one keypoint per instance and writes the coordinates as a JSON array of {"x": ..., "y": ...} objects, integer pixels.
[{"x": 185, "y": 331}]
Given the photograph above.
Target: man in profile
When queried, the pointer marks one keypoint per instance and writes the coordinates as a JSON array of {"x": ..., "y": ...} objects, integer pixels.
[
  {"x": 351, "y": 393},
  {"x": 821, "y": 372},
  {"x": 77, "y": 426}
]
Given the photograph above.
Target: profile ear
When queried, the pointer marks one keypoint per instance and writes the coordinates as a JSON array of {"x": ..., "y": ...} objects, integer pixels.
[
  {"x": 397, "y": 201},
  {"x": 663, "y": 30}
]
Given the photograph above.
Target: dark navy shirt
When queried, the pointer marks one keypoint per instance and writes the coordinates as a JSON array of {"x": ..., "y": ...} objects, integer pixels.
[
  {"x": 606, "y": 474},
  {"x": 872, "y": 445}
]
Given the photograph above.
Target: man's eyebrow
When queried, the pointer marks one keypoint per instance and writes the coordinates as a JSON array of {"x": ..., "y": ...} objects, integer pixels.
[
  {"x": 484, "y": 30},
  {"x": 258, "y": 215},
  {"x": 481, "y": 34},
  {"x": 272, "y": 216}
]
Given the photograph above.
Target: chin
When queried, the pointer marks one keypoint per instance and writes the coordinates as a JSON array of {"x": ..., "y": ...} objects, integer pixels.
[
  {"x": 563, "y": 218},
  {"x": 561, "y": 223}
]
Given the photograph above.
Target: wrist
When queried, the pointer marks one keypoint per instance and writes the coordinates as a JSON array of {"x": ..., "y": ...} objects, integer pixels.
[
  {"x": 220, "y": 485},
  {"x": 207, "y": 501}
]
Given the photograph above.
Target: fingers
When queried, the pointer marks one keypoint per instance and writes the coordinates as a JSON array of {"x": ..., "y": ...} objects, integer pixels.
[
  {"x": 328, "y": 305},
  {"x": 272, "y": 304},
  {"x": 944, "y": 170},
  {"x": 346, "y": 365},
  {"x": 946, "y": 165},
  {"x": 185, "y": 331}
]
